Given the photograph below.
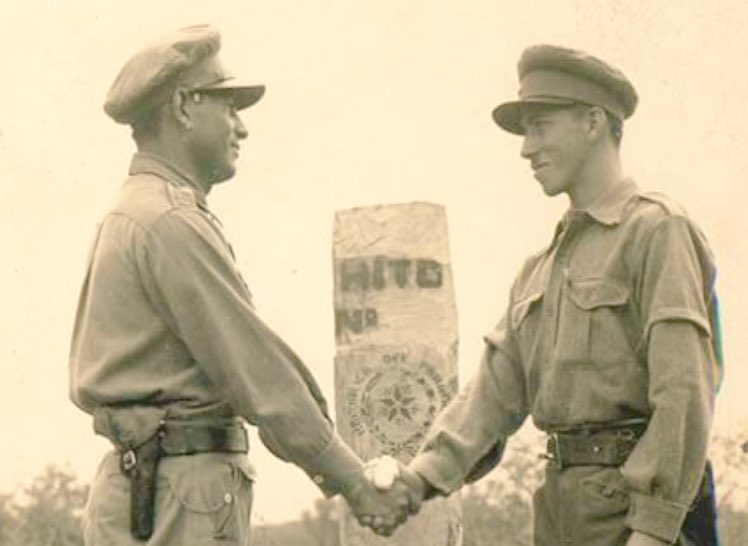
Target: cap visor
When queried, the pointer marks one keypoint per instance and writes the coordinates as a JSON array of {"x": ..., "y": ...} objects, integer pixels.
[
  {"x": 244, "y": 95},
  {"x": 508, "y": 115}
]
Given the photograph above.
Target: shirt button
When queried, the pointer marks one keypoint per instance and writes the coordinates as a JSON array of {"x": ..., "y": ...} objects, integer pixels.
[
  {"x": 319, "y": 480},
  {"x": 228, "y": 498}
]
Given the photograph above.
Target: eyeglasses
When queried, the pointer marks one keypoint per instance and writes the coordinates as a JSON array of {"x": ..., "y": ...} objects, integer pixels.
[{"x": 197, "y": 95}]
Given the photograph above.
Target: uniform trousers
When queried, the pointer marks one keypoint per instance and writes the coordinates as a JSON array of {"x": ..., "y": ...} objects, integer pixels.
[
  {"x": 201, "y": 500},
  {"x": 583, "y": 506}
]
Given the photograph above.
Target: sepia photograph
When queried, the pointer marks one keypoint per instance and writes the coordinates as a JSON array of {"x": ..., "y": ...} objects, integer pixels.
[{"x": 414, "y": 272}]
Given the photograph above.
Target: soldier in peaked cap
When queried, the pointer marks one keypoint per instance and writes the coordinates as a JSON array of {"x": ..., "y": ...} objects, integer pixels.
[
  {"x": 609, "y": 340},
  {"x": 168, "y": 354}
]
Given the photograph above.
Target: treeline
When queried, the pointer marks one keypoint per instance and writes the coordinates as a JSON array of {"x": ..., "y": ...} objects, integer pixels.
[
  {"x": 496, "y": 511},
  {"x": 46, "y": 513}
]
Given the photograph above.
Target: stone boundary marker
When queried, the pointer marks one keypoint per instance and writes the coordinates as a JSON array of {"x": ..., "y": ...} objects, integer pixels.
[{"x": 396, "y": 338}]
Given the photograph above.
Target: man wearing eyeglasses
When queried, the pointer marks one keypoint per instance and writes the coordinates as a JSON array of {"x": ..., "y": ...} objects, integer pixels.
[{"x": 168, "y": 355}]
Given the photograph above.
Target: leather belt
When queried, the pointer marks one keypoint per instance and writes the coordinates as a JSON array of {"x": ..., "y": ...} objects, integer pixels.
[
  {"x": 188, "y": 439},
  {"x": 599, "y": 446}
]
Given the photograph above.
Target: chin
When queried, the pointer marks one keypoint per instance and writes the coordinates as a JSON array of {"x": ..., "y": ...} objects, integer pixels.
[
  {"x": 223, "y": 175},
  {"x": 552, "y": 191},
  {"x": 552, "y": 186},
  {"x": 548, "y": 187}
]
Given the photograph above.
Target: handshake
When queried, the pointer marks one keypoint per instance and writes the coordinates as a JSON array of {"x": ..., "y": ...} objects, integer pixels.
[{"x": 390, "y": 493}]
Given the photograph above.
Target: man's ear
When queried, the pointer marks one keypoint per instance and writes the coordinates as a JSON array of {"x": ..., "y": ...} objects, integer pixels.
[
  {"x": 597, "y": 121},
  {"x": 180, "y": 108}
]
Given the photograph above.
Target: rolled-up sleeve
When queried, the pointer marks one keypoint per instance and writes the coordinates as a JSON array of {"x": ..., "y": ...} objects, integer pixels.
[
  {"x": 190, "y": 276},
  {"x": 676, "y": 292}
]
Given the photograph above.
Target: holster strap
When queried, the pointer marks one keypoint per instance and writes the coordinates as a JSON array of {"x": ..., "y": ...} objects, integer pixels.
[{"x": 140, "y": 465}]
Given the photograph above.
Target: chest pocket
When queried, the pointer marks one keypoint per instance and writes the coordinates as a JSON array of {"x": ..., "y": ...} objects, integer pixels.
[{"x": 596, "y": 326}]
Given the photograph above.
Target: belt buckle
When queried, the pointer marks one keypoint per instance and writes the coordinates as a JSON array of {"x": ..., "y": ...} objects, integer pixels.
[
  {"x": 557, "y": 451},
  {"x": 556, "y": 455}
]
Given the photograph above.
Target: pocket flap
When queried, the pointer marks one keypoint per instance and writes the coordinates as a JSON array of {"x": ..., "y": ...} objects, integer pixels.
[{"x": 589, "y": 294}]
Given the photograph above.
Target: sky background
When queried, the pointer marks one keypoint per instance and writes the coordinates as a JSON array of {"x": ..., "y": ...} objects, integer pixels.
[{"x": 367, "y": 102}]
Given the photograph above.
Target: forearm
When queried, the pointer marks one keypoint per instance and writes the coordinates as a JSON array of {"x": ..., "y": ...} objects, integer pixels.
[
  {"x": 483, "y": 413},
  {"x": 665, "y": 469}
]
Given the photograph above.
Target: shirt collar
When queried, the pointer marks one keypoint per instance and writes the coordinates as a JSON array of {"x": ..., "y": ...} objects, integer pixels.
[
  {"x": 608, "y": 208},
  {"x": 149, "y": 163}
]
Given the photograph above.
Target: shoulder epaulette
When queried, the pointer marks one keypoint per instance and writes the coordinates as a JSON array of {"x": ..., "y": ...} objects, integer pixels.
[
  {"x": 669, "y": 205},
  {"x": 181, "y": 196}
]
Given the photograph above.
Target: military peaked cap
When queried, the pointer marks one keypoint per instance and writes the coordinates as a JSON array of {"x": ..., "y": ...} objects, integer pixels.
[
  {"x": 188, "y": 57},
  {"x": 556, "y": 75}
]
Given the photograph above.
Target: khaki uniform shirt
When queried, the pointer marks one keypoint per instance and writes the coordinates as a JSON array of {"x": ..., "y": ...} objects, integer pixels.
[
  {"x": 166, "y": 321},
  {"x": 613, "y": 321}
]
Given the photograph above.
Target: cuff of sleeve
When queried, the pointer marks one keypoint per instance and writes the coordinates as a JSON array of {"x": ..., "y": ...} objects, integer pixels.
[
  {"x": 437, "y": 471},
  {"x": 337, "y": 469},
  {"x": 656, "y": 517}
]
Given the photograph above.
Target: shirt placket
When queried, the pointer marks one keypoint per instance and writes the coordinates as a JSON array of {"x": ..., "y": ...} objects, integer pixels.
[
  {"x": 559, "y": 274},
  {"x": 552, "y": 316}
]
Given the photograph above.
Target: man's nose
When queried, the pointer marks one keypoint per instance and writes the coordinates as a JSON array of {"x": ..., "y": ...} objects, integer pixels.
[
  {"x": 239, "y": 128},
  {"x": 529, "y": 146}
]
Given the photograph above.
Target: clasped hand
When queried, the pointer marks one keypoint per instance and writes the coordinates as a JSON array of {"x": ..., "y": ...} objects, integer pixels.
[{"x": 391, "y": 493}]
